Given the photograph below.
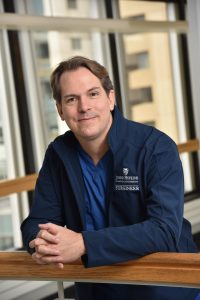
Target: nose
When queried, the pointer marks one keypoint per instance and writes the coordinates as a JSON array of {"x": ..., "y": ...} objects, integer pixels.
[{"x": 84, "y": 104}]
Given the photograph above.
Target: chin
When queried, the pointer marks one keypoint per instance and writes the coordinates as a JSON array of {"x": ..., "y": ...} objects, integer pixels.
[{"x": 88, "y": 137}]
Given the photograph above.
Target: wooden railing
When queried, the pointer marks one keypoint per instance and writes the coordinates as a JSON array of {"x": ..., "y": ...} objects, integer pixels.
[
  {"x": 171, "y": 269},
  {"x": 189, "y": 146},
  {"x": 18, "y": 185}
]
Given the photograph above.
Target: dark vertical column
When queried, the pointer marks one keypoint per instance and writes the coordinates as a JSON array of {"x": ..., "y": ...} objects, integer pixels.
[
  {"x": 113, "y": 50},
  {"x": 188, "y": 92},
  {"x": 22, "y": 103}
]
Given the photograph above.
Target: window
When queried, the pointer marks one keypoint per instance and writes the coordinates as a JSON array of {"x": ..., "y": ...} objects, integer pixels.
[
  {"x": 2, "y": 167},
  {"x": 72, "y": 4},
  {"x": 156, "y": 85},
  {"x": 6, "y": 238},
  {"x": 42, "y": 49},
  {"x": 51, "y": 47},
  {"x": 150, "y": 77},
  {"x": 50, "y": 114},
  {"x": 75, "y": 43},
  {"x": 142, "y": 95},
  {"x": 1, "y": 135},
  {"x": 137, "y": 61},
  {"x": 138, "y": 17}
]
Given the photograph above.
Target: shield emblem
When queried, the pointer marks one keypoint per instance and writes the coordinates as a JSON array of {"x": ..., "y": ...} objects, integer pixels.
[{"x": 125, "y": 171}]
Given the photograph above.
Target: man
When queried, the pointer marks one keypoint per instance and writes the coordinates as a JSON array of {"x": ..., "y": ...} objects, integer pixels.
[{"x": 116, "y": 186}]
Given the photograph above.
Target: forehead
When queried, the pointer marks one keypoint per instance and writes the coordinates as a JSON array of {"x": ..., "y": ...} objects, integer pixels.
[{"x": 79, "y": 80}]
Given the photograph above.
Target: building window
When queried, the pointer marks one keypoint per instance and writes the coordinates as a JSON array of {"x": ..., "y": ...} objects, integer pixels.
[
  {"x": 6, "y": 238},
  {"x": 141, "y": 95},
  {"x": 138, "y": 17},
  {"x": 137, "y": 61},
  {"x": 3, "y": 166},
  {"x": 42, "y": 50},
  {"x": 76, "y": 43},
  {"x": 72, "y": 4},
  {"x": 1, "y": 135}
]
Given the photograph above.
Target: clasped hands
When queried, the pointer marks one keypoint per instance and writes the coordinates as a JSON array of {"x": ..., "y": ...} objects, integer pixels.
[{"x": 57, "y": 245}]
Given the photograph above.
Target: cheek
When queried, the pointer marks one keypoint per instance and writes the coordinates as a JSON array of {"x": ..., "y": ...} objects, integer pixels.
[{"x": 69, "y": 118}]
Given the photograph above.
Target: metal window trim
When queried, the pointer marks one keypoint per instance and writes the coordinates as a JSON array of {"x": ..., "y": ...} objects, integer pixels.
[
  {"x": 16, "y": 21},
  {"x": 194, "y": 50},
  {"x": 12, "y": 136}
]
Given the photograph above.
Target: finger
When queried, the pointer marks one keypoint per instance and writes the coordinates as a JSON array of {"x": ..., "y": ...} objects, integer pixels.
[
  {"x": 47, "y": 236},
  {"x": 48, "y": 259},
  {"x": 37, "y": 259},
  {"x": 47, "y": 250},
  {"x": 59, "y": 265},
  {"x": 36, "y": 242},
  {"x": 32, "y": 244},
  {"x": 50, "y": 227}
]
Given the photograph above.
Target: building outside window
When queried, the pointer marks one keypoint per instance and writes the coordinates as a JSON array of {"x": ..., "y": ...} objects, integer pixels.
[
  {"x": 71, "y": 4},
  {"x": 150, "y": 77},
  {"x": 76, "y": 43}
]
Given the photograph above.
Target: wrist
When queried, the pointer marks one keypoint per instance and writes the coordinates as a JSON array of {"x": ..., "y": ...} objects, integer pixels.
[{"x": 81, "y": 245}]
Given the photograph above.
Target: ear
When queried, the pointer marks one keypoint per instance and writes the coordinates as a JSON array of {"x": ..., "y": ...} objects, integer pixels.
[
  {"x": 111, "y": 97},
  {"x": 59, "y": 110}
]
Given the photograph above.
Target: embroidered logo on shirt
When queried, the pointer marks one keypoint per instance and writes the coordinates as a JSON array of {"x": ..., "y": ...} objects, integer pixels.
[
  {"x": 125, "y": 171},
  {"x": 126, "y": 182}
]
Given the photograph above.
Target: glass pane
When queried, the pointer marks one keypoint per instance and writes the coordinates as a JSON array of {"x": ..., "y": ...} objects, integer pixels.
[
  {"x": 70, "y": 8},
  {"x": 2, "y": 152},
  {"x": 9, "y": 207},
  {"x": 149, "y": 71},
  {"x": 143, "y": 10},
  {"x": 6, "y": 234},
  {"x": 51, "y": 47},
  {"x": 151, "y": 80}
]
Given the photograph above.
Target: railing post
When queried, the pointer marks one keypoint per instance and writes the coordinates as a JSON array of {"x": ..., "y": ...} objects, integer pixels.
[{"x": 61, "y": 295}]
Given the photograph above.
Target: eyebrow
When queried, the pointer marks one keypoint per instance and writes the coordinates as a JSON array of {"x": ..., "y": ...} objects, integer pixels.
[
  {"x": 94, "y": 88},
  {"x": 75, "y": 95},
  {"x": 69, "y": 95}
]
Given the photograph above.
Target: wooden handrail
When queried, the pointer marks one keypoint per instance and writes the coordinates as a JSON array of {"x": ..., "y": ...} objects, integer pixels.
[
  {"x": 171, "y": 269},
  {"x": 20, "y": 184},
  {"x": 189, "y": 146}
]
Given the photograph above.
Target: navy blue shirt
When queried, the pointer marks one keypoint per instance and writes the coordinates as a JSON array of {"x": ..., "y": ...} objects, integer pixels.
[{"x": 96, "y": 180}]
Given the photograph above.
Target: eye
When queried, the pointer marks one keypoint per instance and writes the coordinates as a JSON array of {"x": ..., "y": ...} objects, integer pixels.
[
  {"x": 71, "y": 100},
  {"x": 94, "y": 94}
]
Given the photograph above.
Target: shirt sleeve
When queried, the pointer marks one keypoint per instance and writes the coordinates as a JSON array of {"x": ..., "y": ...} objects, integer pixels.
[{"x": 47, "y": 204}]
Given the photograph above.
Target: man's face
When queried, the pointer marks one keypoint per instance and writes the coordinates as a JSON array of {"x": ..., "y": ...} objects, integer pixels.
[{"x": 85, "y": 106}]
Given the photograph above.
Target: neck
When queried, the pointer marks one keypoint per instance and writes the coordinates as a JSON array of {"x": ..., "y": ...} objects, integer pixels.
[{"x": 95, "y": 150}]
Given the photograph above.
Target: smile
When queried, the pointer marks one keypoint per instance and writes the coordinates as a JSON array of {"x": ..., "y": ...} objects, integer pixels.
[{"x": 86, "y": 118}]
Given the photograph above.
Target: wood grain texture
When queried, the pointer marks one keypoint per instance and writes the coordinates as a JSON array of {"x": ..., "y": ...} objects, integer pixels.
[
  {"x": 172, "y": 269},
  {"x": 20, "y": 184},
  {"x": 189, "y": 146}
]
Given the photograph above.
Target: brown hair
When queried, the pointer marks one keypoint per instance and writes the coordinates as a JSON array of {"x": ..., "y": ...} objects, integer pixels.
[{"x": 75, "y": 63}]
